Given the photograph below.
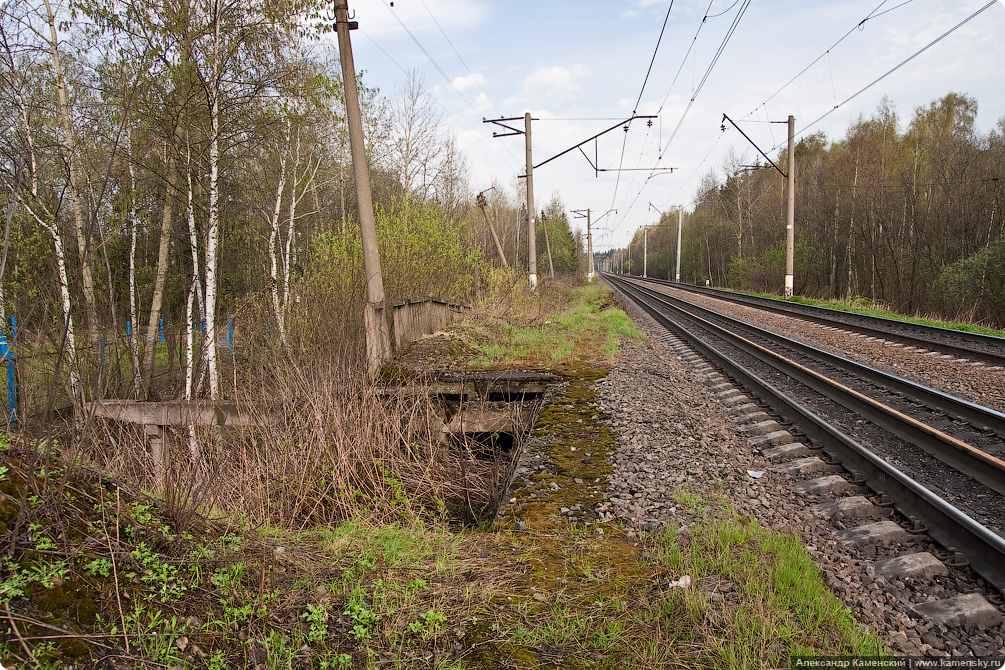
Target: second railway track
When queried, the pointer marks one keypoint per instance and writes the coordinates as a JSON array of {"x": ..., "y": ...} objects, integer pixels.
[{"x": 968, "y": 346}]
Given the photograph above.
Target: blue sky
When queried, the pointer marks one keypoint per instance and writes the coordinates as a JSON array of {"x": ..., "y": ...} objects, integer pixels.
[{"x": 580, "y": 66}]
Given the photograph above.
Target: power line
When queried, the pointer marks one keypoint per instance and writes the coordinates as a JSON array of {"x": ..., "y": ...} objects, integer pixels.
[
  {"x": 494, "y": 148},
  {"x": 460, "y": 58},
  {"x": 898, "y": 66},
  {"x": 429, "y": 56},
  {"x": 684, "y": 60},
  {"x": 624, "y": 143},
  {"x": 857, "y": 26},
  {"x": 708, "y": 71},
  {"x": 655, "y": 51},
  {"x": 695, "y": 171}
]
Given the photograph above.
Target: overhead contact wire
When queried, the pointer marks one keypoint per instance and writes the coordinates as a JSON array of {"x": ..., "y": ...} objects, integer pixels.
[{"x": 898, "y": 66}]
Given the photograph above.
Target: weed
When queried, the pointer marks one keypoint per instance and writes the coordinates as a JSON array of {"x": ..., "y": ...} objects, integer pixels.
[
  {"x": 98, "y": 567},
  {"x": 361, "y": 617},
  {"x": 317, "y": 617},
  {"x": 41, "y": 541},
  {"x": 218, "y": 660},
  {"x": 154, "y": 632},
  {"x": 229, "y": 577},
  {"x": 161, "y": 576},
  {"x": 431, "y": 624}
]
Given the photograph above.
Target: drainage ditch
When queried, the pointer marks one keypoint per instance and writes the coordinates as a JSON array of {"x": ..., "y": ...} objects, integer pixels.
[{"x": 489, "y": 414}]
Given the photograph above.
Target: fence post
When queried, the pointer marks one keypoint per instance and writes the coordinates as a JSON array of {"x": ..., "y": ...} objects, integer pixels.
[
  {"x": 230, "y": 334},
  {"x": 7, "y": 356}
]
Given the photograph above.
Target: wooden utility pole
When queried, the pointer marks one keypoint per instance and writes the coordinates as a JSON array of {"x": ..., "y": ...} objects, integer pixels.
[
  {"x": 484, "y": 205},
  {"x": 378, "y": 343},
  {"x": 547, "y": 246},
  {"x": 790, "y": 222},
  {"x": 580, "y": 213}
]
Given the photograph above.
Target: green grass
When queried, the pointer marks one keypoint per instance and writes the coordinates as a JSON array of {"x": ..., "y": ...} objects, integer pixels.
[
  {"x": 777, "y": 603},
  {"x": 587, "y": 326},
  {"x": 868, "y": 307}
]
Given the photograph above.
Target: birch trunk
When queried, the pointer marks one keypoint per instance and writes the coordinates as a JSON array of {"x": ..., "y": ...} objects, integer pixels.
[
  {"x": 193, "y": 236},
  {"x": 160, "y": 279},
  {"x": 192, "y": 312},
  {"x": 273, "y": 254},
  {"x": 134, "y": 341},
  {"x": 76, "y": 389},
  {"x": 76, "y": 205},
  {"x": 290, "y": 231},
  {"x": 212, "y": 227}
]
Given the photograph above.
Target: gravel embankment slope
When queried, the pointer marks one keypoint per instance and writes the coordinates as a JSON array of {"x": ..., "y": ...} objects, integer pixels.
[{"x": 672, "y": 436}]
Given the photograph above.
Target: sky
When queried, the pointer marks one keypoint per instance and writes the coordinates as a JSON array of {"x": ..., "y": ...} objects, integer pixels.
[{"x": 583, "y": 66}]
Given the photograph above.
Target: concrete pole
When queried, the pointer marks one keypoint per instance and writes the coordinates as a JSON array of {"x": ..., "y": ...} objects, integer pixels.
[
  {"x": 680, "y": 234},
  {"x": 790, "y": 232},
  {"x": 589, "y": 247},
  {"x": 531, "y": 230},
  {"x": 645, "y": 252},
  {"x": 378, "y": 345}
]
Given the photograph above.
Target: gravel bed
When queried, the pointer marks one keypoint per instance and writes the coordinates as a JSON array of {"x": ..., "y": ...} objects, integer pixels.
[
  {"x": 671, "y": 434},
  {"x": 977, "y": 383}
]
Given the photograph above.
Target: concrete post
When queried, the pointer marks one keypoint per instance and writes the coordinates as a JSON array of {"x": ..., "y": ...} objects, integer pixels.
[
  {"x": 680, "y": 230},
  {"x": 378, "y": 346},
  {"x": 645, "y": 252},
  {"x": 589, "y": 247},
  {"x": 790, "y": 222},
  {"x": 531, "y": 229},
  {"x": 157, "y": 435}
]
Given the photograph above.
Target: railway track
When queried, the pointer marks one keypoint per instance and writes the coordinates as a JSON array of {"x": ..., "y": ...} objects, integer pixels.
[
  {"x": 933, "y": 457},
  {"x": 959, "y": 344}
]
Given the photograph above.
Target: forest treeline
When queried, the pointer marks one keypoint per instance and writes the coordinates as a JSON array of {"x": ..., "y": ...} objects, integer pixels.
[
  {"x": 182, "y": 161},
  {"x": 907, "y": 214}
]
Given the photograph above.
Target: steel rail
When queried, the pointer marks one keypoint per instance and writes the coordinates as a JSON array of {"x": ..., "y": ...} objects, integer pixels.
[
  {"x": 945, "y": 523},
  {"x": 979, "y": 417},
  {"x": 973, "y": 462},
  {"x": 874, "y": 326}
]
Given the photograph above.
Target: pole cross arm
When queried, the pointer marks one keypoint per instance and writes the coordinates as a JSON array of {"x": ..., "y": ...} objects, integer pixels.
[
  {"x": 500, "y": 123},
  {"x": 590, "y": 139},
  {"x": 726, "y": 118}
]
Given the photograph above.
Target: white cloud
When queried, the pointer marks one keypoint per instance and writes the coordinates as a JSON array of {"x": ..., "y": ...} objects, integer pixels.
[
  {"x": 557, "y": 81},
  {"x": 473, "y": 80},
  {"x": 453, "y": 16}
]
